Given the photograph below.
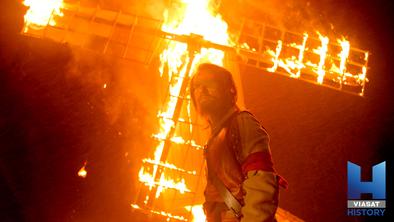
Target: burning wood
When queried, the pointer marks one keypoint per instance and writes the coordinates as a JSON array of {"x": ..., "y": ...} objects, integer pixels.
[
  {"x": 314, "y": 59},
  {"x": 194, "y": 20}
]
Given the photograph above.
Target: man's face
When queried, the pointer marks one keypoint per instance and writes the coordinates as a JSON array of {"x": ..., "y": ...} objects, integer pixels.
[{"x": 208, "y": 93}]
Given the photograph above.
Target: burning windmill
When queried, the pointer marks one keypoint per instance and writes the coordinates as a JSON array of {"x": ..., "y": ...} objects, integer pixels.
[
  {"x": 194, "y": 33},
  {"x": 194, "y": 43}
]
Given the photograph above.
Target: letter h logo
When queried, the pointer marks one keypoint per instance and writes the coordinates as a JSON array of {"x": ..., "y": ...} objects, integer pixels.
[{"x": 377, "y": 187}]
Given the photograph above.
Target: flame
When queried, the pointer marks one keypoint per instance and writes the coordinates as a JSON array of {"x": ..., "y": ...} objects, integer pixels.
[
  {"x": 294, "y": 63},
  {"x": 41, "y": 13},
  {"x": 169, "y": 166},
  {"x": 82, "y": 172},
  {"x": 301, "y": 56},
  {"x": 289, "y": 64},
  {"x": 197, "y": 18},
  {"x": 322, "y": 51},
  {"x": 275, "y": 56},
  {"x": 162, "y": 213},
  {"x": 178, "y": 139},
  {"x": 197, "y": 212},
  {"x": 344, "y": 54}
]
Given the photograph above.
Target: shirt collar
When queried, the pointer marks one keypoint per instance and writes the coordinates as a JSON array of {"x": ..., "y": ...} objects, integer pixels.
[{"x": 219, "y": 125}]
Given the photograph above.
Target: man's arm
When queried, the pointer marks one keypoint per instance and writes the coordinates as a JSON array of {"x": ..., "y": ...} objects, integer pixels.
[
  {"x": 261, "y": 185},
  {"x": 261, "y": 196}
]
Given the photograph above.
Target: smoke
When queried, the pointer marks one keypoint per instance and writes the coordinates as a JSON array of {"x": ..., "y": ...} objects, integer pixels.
[
  {"x": 329, "y": 17},
  {"x": 332, "y": 18},
  {"x": 149, "y": 8}
]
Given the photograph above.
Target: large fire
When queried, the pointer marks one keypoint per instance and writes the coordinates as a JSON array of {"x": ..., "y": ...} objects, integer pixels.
[
  {"x": 329, "y": 68},
  {"x": 196, "y": 18},
  {"x": 345, "y": 70},
  {"x": 41, "y": 13}
]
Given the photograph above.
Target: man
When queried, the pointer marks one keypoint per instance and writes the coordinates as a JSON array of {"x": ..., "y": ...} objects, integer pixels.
[{"x": 240, "y": 170}]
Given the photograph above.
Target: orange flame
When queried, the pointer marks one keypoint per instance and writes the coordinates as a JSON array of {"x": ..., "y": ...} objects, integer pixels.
[
  {"x": 322, "y": 51},
  {"x": 344, "y": 54},
  {"x": 162, "y": 213},
  {"x": 41, "y": 13},
  {"x": 197, "y": 212},
  {"x": 275, "y": 56},
  {"x": 294, "y": 63},
  {"x": 301, "y": 56},
  {"x": 82, "y": 172},
  {"x": 198, "y": 17}
]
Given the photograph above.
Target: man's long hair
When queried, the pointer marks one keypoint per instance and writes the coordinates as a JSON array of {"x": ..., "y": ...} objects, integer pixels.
[{"x": 222, "y": 76}]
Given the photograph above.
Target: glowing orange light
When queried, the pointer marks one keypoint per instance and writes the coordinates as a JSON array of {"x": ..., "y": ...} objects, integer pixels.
[
  {"x": 198, "y": 18},
  {"x": 162, "y": 213},
  {"x": 322, "y": 51},
  {"x": 275, "y": 56},
  {"x": 197, "y": 212},
  {"x": 82, "y": 172},
  {"x": 301, "y": 56},
  {"x": 41, "y": 13},
  {"x": 344, "y": 54},
  {"x": 286, "y": 61}
]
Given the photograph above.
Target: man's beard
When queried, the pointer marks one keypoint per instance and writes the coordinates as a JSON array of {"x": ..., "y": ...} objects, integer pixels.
[{"x": 213, "y": 107}]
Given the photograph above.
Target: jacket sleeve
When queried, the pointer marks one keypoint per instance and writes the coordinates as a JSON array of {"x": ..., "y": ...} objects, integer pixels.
[
  {"x": 261, "y": 197},
  {"x": 260, "y": 185}
]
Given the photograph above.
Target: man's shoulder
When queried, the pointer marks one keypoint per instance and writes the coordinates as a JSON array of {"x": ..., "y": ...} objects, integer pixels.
[
  {"x": 245, "y": 112},
  {"x": 252, "y": 135},
  {"x": 246, "y": 117},
  {"x": 247, "y": 121}
]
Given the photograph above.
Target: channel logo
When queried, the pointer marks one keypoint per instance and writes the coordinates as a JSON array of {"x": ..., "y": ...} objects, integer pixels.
[{"x": 355, "y": 187}]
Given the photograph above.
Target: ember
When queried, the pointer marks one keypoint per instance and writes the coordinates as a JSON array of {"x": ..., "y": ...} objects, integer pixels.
[{"x": 82, "y": 172}]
